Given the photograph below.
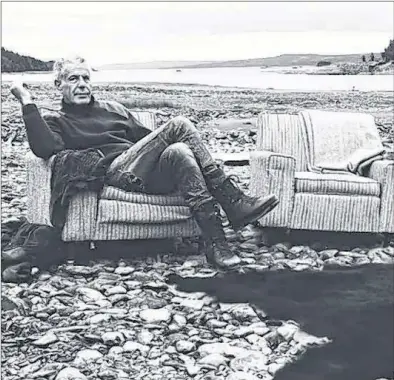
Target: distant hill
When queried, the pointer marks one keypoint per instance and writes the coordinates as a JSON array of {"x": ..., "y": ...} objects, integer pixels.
[
  {"x": 14, "y": 62},
  {"x": 153, "y": 65},
  {"x": 285, "y": 60}
]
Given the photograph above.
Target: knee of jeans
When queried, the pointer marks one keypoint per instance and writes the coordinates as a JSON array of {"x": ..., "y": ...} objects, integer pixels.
[
  {"x": 183, "y": 122},
  {"x": 178, "y": 149}
]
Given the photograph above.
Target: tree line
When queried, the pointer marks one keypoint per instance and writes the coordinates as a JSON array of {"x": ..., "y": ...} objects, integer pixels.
[{"x": 14, "y": 62}]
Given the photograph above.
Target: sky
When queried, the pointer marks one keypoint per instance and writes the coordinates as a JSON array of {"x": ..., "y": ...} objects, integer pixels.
[{"x": 121, "y": 32}]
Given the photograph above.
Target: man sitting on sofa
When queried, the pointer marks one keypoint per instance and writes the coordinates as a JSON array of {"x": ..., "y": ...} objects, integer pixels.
[{"x": 172, "y": 157}]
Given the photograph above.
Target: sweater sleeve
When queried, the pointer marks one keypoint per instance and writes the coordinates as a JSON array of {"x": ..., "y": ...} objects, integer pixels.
[{"x": 44, "y": 137}]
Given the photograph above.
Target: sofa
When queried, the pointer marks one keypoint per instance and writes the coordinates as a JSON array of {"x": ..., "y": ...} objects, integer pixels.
[
  {"x": 113, "y": 214},
  {"x": 330, "y": 197}
]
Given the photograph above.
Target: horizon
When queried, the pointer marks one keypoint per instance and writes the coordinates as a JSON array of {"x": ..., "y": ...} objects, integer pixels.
[{"x": 142, "y": 32}]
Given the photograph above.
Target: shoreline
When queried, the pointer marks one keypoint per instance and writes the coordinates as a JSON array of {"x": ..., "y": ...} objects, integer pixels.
[{"x": 198, "y": 86}]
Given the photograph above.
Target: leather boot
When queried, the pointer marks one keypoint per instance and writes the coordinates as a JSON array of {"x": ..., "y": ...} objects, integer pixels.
[
  {"x": 218, "y": 250},
  {"x": 240, "y": 208}
]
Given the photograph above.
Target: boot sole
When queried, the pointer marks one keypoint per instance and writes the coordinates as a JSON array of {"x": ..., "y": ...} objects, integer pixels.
[{"x": 268, "y": 207}]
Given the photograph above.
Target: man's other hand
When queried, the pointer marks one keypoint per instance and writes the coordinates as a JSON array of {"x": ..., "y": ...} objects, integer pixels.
[{"x": 20, "y": 91}]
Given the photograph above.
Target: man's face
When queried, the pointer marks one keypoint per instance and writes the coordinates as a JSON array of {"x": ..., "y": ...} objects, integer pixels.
[{"x": 75, "y": 84}]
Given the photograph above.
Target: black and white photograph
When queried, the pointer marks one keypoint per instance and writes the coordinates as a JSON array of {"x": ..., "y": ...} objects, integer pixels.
[{"x": 197, "y": 190}]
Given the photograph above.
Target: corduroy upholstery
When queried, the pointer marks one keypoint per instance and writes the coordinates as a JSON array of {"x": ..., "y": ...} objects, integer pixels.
[
  {"x": 315, "y": 201},
  {"x": 113, "y": 214}
]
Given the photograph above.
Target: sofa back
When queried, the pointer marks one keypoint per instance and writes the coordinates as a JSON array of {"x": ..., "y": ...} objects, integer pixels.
[
  {"x": 282, "y": 133},
  {"x": 146, "y": 118},
  {"x": 333, "y": 137}
]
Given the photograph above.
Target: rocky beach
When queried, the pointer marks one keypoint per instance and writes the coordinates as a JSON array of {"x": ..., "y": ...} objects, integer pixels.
[{"x": 122, "y": 319}]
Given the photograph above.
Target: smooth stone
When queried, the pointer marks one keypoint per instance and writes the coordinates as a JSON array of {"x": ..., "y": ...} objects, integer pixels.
[
  {"x": 124, "y": 271},
  {"x": 99, "y": 318},
  {"x": 254, "y": 360},
  {"x": 115, "y": 351},
  {"x": 243, "y": 313},
  {"x": 184, "y": 346},
  {"x": 87, "y": 356},
  {"x": 248, "y": 247},
  {"x": 116, "y": 290},
  {"x": 180, "y": 320},
  {"x": 215, "y": 360},
  {"x": 145, "y": 337},
  {"x": 70, "y": 373},
  {"x": 328, "y": 253},
  {"x": 192, "y": 304},
  {"x": 112, "y": 338},
  {"x": 215, "y": 324},
  {"x": 221, "y": 348},
  {"x": 275, "y": 367},
  {"x": 241, "y": 375},
  {"x": 133, "y": 285},
  {"x": 46, "y": 340},
  {"x": 155, "y": 315},
  {"x": 192, "y": 369},
  {"x": 110, "y": 374},
  {"x": 306, "y": 339},
  {"x": 131, "y": 346},
  {"x": 80, "y": 270},
  {"x": 90, "y": 295},
  {"x": 287, "y": 330}
]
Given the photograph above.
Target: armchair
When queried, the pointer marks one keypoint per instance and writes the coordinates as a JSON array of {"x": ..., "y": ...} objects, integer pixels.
[
  {"x": 325, "y": 201},
  {"x": 113, "y": 214}
]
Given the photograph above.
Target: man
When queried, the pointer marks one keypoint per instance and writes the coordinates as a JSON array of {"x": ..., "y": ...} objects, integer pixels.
[{"x": 171, "y": 157}]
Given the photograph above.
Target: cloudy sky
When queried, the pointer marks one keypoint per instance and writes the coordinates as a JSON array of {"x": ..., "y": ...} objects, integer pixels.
[{"x": 118, "y": 32}]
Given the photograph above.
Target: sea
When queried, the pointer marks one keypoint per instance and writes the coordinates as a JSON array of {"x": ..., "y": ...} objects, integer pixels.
[{"x": 244, "y": 77}]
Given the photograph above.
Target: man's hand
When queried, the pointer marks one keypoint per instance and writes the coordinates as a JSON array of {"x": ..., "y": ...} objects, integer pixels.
[{"x": 20, "y": 91}]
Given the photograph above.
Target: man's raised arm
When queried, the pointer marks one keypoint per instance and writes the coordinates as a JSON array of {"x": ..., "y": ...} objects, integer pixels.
[{"x": 43, "y": 140}]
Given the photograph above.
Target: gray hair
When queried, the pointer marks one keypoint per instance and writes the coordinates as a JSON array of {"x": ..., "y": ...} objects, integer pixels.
[{"x": 60, "y": 64}]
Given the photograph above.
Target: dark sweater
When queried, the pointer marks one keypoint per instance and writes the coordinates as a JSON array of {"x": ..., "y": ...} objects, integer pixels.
[{"x": 104, "y": 125}]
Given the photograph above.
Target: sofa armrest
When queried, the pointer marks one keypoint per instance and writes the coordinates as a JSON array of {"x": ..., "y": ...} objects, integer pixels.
[
  {"x": 383, "y": 172},
  {"x": 274, "y": 173},
  {"x": 38, "y": 188}
]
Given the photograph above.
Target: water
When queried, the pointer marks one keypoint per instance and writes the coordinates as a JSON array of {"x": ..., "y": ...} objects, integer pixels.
[{"x": 250, "y": 77}]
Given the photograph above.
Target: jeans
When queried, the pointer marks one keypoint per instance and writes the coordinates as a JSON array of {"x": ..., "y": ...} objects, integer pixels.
[{"x": 171, "y": 158}]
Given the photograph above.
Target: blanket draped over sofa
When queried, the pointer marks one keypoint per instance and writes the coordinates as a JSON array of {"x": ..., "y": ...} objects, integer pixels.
[
  {"x": 74, "y": 171},
  {"x": 331, "y": 143}
]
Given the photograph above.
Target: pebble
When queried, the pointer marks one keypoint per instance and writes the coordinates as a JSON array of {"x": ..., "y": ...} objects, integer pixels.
[
  {"x": 90, "y": 295},
  {"x": 215, "y": 360},
  {"x": 155, "y": 315},
  {"x": 87, "y": 356},
  {"x": 252, "y": 360},
  {"x": 131, "y": 346},
  {"x": 184, "y": 346},
  {"x": 112, "y": 338},
  {"x": 124, "y": 271},
  {"x": 241, "y": 375},
  {"x": 46, "y": 340},
  {"x": 116, "y": 290},
  {"x": 145, "y": 337},
  {"x": 70, "y": 373}
]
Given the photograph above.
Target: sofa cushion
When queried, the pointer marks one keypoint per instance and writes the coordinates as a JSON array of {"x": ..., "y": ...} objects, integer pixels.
[
  {"x": 343, "y": 184},
  {"x": 118, "y": 206},
  {"x": 115, "y": 194},
  {"x": 110, "y": 211}
]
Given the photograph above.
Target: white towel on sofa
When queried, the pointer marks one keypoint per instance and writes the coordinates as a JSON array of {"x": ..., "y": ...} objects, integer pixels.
[{"x": 340, "y": 141}]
